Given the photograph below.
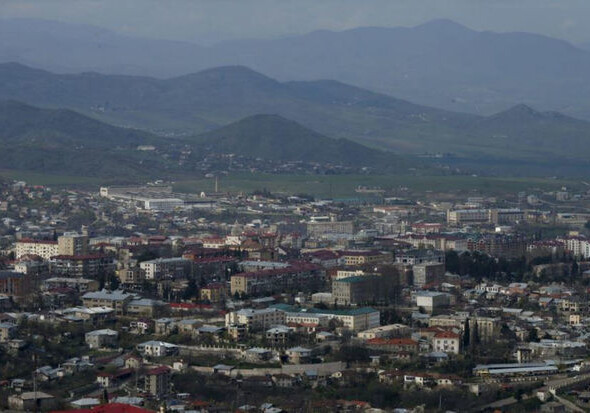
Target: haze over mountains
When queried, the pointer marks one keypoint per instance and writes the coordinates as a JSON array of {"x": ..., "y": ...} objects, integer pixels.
[
  {"x": 439, "y": 63},
  {"x": 210, "y": 99},
  {"x": 65, "y": 142}
]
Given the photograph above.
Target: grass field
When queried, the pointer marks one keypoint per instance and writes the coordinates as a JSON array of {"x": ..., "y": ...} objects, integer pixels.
[
  {"x": 335, "y": 186},
  {"x": 345, "y": 185}
]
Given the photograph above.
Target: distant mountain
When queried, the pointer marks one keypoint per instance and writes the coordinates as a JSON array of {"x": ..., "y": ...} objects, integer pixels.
[
  {"x": 59, "y": 141},
  {"x": 274, "y": 137},
  {"x": 439, "y": 63},
  {"x": 207, "y": 100},
  {"x": 215, "y": 97},
  {"x": 65, "y": 142}
]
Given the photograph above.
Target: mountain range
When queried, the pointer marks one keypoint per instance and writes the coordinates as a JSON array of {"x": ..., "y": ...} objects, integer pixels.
[
  {"x": 61, "y": 141},
  {"x": 204, "y": 101},
  {"x": 439, "y": 63}
]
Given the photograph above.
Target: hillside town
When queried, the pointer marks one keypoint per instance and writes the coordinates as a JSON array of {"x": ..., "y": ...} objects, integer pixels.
[{"x": 212, "y": 302}]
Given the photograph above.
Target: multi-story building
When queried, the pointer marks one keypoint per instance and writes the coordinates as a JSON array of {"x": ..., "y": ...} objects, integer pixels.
[
  {"x": 90, "y": 266},
  {"x": 15, "y": 284},
  {"x": 101, "y": 338},
  {"x": 214, "y": 292},
  {"x": 420, "y": 256},
  {"x": 117, "y": 300},
  {"x": 505, "y": 216},
  {"x": 166, "y": 268},
  {"x": 320, "y": 228},
  {"x": 301, "y": 276},
  {"x": 353, "y": 290},
  {"x": 42, "y": 248},
  {"x": 498, "y": 245},
  {"x": 130, "y": 275},
  {"x": 447, "y": 342},
  {"x": 356, "y": 319},
  {"x": 578, "y": 246},
  {"x": 255, "y": 319},
  {"x": 427, "y": 273},
  {"x": 72, "y": 243},
  {"x": 467, "y": 216},
  {"x": 157, "y": 381},
  {"x": 79, "y": 284},
  {"x": 32, "y": 268},
  {"x": 356, "y": 258}
]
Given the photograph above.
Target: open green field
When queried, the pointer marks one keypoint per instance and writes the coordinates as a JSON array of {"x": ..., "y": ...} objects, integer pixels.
[
  {"x": 344, "y": 185},
  {"x": 336, "y": 186}
]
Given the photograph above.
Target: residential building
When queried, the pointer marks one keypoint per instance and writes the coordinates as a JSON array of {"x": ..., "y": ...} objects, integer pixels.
[
  {"x": 166, "y": 268},
  {"x": 447, "y": 342},
  {"x": 101, "y": 338},
  {"x": 117, "y": 300},
  {"x": 157, "y": 381}
]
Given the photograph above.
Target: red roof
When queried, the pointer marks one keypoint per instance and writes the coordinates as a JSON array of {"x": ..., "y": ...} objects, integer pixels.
[
  {"x": 37, "y": 241},
  {"x": 446, "y": 334},
  {"x": 158, "y": 370},
  {"x": 108, "y": 408},
  {"x": 392, "y": 342}
]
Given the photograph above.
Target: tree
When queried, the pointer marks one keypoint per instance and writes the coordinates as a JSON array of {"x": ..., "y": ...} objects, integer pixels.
[
  {"x": 466, "y": 334},
  {"x": 476, "y": 338},
  {"x": 534, "y": 335}
]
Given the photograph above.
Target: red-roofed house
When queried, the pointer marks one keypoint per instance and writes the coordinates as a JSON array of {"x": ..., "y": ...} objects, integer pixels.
[{"x": 447, "y": 342}]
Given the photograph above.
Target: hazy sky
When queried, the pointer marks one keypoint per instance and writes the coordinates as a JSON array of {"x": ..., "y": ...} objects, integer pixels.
[{"x": 204, "y": 21}]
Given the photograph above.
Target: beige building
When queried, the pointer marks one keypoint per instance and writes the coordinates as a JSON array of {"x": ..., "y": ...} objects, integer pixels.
[
  {"x": 447, "y": 342},
  {"x": 72, "y": 243},
  {"x": 157, "y": 381},
  {"x": 43, "y": 248}
]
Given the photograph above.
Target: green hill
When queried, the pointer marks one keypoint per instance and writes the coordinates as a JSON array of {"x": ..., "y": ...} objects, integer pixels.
[
  {"x": 274, "y": 137},
  {"x": 65, "y": 142}
]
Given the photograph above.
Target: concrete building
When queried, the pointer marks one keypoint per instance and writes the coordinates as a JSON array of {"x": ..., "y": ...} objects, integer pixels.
[
  {"x": 432, "y": 300},
  {"x": 427, "y": 273},
  {"x": 98, "y": 339},
  {"x": 358, "y": 258},
  {"x": 31, "y": 401},
  {"x": 42, "y": 248},
  {"x": 467, "y": 216},
  {"x": 255, "y": 319},
  {"x": 166, "y": 268},
  {"x": 117, "y": 300},
  {"x": 447, "y": 342},
  {"x": 318, "y": 229},
  {"x": 14, "y": 284},
  {"x": 90, "y": 266},
  {"x": 353, "y": 290},
  {"x": 157, "y": 381},
  {"x": 301, "y": 276},
  {"x": 79, "y": 284},
  {"x": 72, "y": 243}
]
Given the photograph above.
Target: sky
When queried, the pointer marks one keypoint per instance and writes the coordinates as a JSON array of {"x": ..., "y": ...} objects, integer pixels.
[{"x": 209, "y": 21}]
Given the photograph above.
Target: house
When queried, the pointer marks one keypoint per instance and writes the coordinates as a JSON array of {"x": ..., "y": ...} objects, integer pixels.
[
  {"x": 257, "y": 354},
  {"x": 117, "y": 300},
  {"x": 30, "y": 401},
  {"x": 284, "y": 380},
  {"x": 394, "y": 345},
  {"x": 299, "y": 355},
  {"x": 108, "y": 380},
  {"x": 101, "y": 338},
  {"x": 447, "y": 342},
  {"x": 7, "y": 331},
  {"x": 156, "y": 348},
  {"x": 278, "y": 335},
  {"x": 164, "y": 326}
]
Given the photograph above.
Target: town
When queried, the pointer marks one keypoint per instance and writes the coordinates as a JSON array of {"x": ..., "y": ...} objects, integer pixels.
[{"x": 143, "y": 296}]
